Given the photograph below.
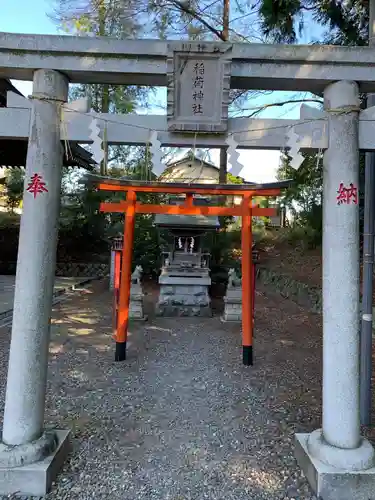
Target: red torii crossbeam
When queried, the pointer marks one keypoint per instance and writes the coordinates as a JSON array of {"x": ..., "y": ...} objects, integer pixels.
[{"x": 130, "y": 207}]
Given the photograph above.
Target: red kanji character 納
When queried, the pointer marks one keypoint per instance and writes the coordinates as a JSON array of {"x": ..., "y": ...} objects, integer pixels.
[
  {"x": 36, "y": 185},
  {"x": 347, "y": 195}
]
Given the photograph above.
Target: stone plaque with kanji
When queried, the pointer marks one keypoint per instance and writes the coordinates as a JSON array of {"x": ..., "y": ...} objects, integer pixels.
[{"x": 198, "y": 86}]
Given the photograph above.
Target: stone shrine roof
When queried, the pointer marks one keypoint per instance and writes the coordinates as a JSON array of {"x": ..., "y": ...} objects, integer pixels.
[{"x": 187, "y": 221}]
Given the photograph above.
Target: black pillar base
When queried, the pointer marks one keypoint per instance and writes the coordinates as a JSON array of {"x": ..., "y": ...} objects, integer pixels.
[
  {"x": 120, "y": 354},
  {"x": 247, "y": 355}
]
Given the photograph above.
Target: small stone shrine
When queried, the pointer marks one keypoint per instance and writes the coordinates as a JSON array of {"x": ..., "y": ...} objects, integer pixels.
[
  {"x": 185, "y": 273},
  {"x": 136, "y": 296},
  {"x": 233, "y": 298}
]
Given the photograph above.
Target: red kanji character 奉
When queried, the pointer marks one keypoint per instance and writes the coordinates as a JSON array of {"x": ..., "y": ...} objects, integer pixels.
[
  {"x": 36, "y": 185},
  {"x": 347, "y": 195}
]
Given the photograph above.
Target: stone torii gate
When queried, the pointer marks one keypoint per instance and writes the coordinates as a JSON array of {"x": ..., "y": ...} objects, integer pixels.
[{"x": 338, "y": 462}]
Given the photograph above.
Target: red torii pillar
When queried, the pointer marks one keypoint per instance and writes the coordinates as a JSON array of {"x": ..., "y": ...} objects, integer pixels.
[
  {"x": 247, "y": 262},
  {"x": 117, "y": 247},
  {"x": 125, "y": 281}
]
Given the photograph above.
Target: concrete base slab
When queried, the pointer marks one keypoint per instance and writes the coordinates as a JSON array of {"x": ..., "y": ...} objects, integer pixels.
[
  {"x": 144, "y": 318},
  {"x": 330, "y": 483},
  {"x": 234, "y": 320},
  {"x": 36, "y": 479}
]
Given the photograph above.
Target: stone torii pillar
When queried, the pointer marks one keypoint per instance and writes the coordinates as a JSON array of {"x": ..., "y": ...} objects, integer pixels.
[
  {"x": 27, "y": 452},
  {"x": 336, "y": 459}
]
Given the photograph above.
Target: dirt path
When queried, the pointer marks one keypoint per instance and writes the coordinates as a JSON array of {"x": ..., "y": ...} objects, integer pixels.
[{"x": 182, "y": 418}]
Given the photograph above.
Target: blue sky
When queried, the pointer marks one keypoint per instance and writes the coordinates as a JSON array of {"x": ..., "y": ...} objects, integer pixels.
[
  {"x": 26, "y": 16},
  {"x": 30, "y": 16}
]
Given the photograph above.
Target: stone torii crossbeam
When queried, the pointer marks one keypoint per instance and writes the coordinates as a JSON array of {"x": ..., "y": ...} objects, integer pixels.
[
  {"x": 338, "y": 462},
  {"x": 134, "y": 129}
]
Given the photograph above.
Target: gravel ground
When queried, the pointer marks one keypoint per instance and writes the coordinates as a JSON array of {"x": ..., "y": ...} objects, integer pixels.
[{"x": 182, "y": 418}]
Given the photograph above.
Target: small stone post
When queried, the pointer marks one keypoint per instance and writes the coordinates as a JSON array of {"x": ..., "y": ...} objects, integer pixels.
[
  {"x": 27, "y": 372},
  {"x": 136, "y": 296},
  {"x": 339, "y": 444},
  {"x": 233, "y": 298}
]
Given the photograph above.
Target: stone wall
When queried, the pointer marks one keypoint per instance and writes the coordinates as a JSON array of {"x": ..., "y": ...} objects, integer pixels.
[
  {"x": 302, "y": 294},
  {"x": 79, "y": 269},
  {"x": 71, "y": 269}
]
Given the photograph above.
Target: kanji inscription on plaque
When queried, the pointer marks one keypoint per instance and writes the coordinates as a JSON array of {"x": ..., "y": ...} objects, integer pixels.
[{"x": 198, "y": 86}]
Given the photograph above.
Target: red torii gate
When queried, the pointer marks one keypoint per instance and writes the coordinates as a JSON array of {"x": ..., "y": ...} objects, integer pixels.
[{"x": 130, "y": 207}]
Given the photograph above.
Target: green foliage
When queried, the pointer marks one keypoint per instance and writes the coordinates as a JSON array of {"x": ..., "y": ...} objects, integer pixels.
[
  {"x": 306, "y": 189},
  {"x": 259, "y": 232},
  {"x": 304, "y": 198},
  {"x": 147, "y": 249},
  {"x": 89, "y": 231},
  {"x": 278, "y": 19},
  {"x": 219, "y": 244},
  {"x": 346, "y": 23},
  {"x": 14, "y": 187},
  {"x": 9, "y": 220},
  {"x": 232, "y": 179},
  {"x": 301, "y": 233},
  {"x": 85, "y": 232}
]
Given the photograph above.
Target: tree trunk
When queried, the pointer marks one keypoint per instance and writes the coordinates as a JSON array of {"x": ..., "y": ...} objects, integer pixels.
[
  {"x": 223, "y": 166},
  {"x": 105, "y": 109},
  {"x": 223, "y": 151},
  {"x": 105, "y": 91},
  {"x": 225, "y": 32}
]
